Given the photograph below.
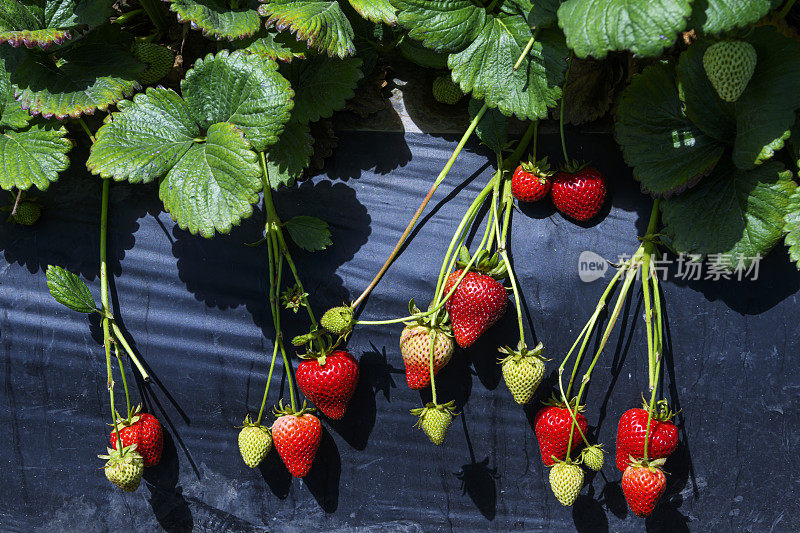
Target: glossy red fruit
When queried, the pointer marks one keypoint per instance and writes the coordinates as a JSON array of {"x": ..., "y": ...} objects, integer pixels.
[
  {"x": 529, "y": 185},
  {"x": 643, "y": 486},
  {"x": 329, "y": 382},
  {"x": 551, "y": 425},
  {"x": 478, "y": 302},
  {"x": 297, "y": 439},
  {"x": 144, "y": 431},
  {"x": 631, "y": 435},
  {"x": 579, "y": 194}
]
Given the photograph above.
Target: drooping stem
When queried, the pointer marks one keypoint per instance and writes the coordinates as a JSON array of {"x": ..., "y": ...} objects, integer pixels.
[
  {"x": 277, "y": 252},
  {"x": 124, "y": 381},
  {"x": 16, "y": 202},
  {"x": 433, "y": 335},
  {"x": 126, "y": 17},
  {"x": 525, "y": 52},
  {"x": 104, "y": 302},
  {"x": 508, "y": 200},
  {"x": 786, "y": 8},
  {"x": 274, "y": 283},
  {"x": 561, "y": 111},
  {"x": 421, "y": 208},
  {"x": 274, "y": 226},
  {"x": 120, "y": 338}
]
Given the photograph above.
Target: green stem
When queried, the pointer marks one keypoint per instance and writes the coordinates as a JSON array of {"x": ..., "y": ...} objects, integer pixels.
[
  {"x": 525, "y": 52},
  {"x": 104, "y": 303},
  {"x": 650, "y": 414},
  {"x": 786, "y": 8},
  {"x": 124, "y": 381},
  {"x": 86, "y": 129},
  {"x": 272, "y": 217},
  {"x": 421, "y": 208},
  {"x": 561, "y": 112},
  {"x": 155, "y": 11},
  {"x": 274, "y": 283},
  {"x": 433, "y": 334},
  {"x": 535, "y": 138},
  {"x": 126, "y": 17},
  {"x": 119, "y": 337}
]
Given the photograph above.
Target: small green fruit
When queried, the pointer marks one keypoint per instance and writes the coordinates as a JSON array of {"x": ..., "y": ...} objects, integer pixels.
[
  {"x": 566, "y": 480},
  {"x": 729, "y": 66},
  {"x": 446, "y": 91},
  {"x": 338, "y": 320},
  {"x": 159, "y": 61},
  {"x": 435, "y": 420},
  {"x": 255, "y": 442},
  {"x": 124, "y": 467},
  {"x": 27, "y": 213},
  {"x": 593, "y": 457},
  {"x": 523, "y": 371}
]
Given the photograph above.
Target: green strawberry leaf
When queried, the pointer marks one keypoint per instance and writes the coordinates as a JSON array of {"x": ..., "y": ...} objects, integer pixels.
[
  {"x": 288, "y": 158},
  {"x": 242, "y": 90},
  {"x": 46, "y": 22},
  {"x": 375, "y": 10},
  {"x": 735, "y": 215},
  {"x": 215, "y": 184},
  {"x": 11, "y": 113},
  {"x": 271, "y": 44},
  {"x": 33, "y": 156},
  {"x": 667, "y": 152},
  {"x": 792, "y": 227},
  {"x": 321, "y": 85},
  {"x": 538, "y": 13},
  {"x": 492, "y": 129},
  {"x": 645, "y": 27},
  {"x": 443, "y": 26},
  {"x": 69, "y": 290},
  {"x": 217, "y": 19},
  {"x": 486, "y": 67},
  {"x": 321, "y": 23},
  {"x": 95, "y": 73},
  {"x": 717, "y": 16},
  {"x": 211, "y": 181},
  {"x": 415, "y": 52},
  {"x": 309, "y": 233}
]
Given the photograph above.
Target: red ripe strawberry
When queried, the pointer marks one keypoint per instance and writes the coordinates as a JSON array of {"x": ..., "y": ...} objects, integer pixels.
[
  {"x": 631, "y": 435},
  {"x": 643, "y": 484},
  {"x": 552, "y": 425},
  {"x": 296, "y": 437},
  {"x": 579, "y": 194},
  {"x": 144, "y": 430},
  {"x": 329, "y": 382},
  {"x": 478, "y": 302},
  {"x": 531, "y": 181}
]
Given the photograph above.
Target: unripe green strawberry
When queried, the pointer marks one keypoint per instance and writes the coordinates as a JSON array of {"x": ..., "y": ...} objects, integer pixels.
[
  {"x": 523, "y": 370},
  {"x": 566, "y": 480},
  {"x": 592, "y": 457},
  {"x": 435, "y": 420},
  {"x": 124, "y": 467},
  {"x": 159, "y": 61},
  {"x": 446, "y": 91},
  {"x": 27, "y": 214},
  {"x": 338, "y": 320},
  {"x": 729, "y": 66},
  {"x": 255, "y": 443}
]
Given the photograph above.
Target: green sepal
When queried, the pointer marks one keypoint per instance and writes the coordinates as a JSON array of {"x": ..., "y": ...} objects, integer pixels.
[
  {"x": 540, "y": 168},
  {"x": 661, "y": 410},
  {"x": 284, "y": 410},
  {"x": 521, "y": 352}
]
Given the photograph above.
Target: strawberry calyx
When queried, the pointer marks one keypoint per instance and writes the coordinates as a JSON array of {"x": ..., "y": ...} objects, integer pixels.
[
  {"x": 483, "y": 263},
  {"x": 126, "y": 454},
  {"x": 449, "y": 407},
  {"x": 541, "y": 168},
  {"x": 661, "y": 410},
  {"x": 573, "y": 166},
  {"x": 248, "y": 422},
  {"x": 567, "y": 461},
  {"x": 650, "y": 464},
  {"x": 286, "y": 410},
  {"x": 521, "y": 352},
  {"x": 556, "y": 401},
  {"x": 440, "y": 323},
  {"x": 135, "y": 416}
]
